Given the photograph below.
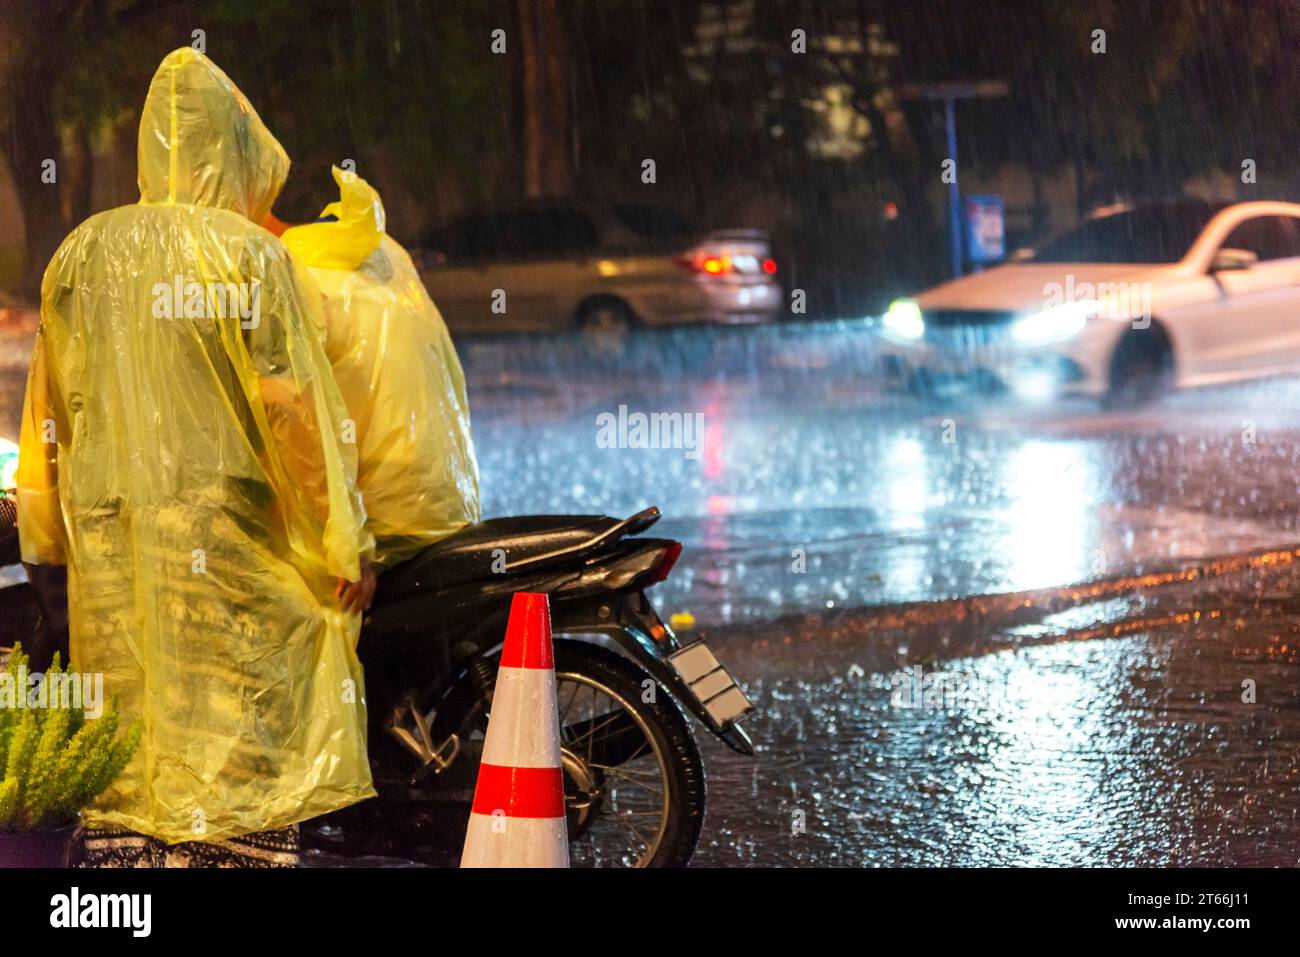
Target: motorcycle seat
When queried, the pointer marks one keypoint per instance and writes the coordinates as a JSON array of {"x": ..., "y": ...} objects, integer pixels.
[{"x": 472, "y": 552}]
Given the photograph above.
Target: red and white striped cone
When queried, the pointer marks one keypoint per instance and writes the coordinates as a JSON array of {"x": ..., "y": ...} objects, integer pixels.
[{"x": 518, "y": 814}]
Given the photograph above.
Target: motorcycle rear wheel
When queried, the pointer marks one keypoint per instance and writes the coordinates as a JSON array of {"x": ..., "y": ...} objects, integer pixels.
[
  {"x": 669, "y": 749},
  {"x": 654, "y": 748}
]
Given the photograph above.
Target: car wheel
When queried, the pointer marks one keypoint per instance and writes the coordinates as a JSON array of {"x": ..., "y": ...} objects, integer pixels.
[
  {"x": 606, "y": 326},
  {"x": 1142, "y": 367}
]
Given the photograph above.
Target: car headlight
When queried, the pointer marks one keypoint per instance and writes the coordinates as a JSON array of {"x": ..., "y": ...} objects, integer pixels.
[
  {"x": 903, "y": 320},
  {"x": 1055, "y": 322}
]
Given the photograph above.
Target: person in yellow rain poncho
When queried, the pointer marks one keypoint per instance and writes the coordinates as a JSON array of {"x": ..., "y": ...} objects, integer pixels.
[
  {"x": 182, "y": 453},
  {"x": 398, "y": 371}
]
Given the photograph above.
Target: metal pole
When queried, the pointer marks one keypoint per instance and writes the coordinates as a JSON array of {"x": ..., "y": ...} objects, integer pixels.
[{"x": 954, "y": 191}]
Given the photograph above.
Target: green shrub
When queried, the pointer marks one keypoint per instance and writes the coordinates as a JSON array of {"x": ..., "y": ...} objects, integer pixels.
[{"x": 53, "y": 762}]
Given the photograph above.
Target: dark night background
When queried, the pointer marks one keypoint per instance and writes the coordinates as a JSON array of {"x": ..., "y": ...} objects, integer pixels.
[
  {"x": 743, "y": 131},
  {"x": 1122, "y": 570}
]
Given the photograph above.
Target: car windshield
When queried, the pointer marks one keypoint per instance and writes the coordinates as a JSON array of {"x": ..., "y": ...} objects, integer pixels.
[{"x": 1146, "y": 234}]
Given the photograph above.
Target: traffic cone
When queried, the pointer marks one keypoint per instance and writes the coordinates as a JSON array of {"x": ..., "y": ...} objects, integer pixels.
[{"x": 518, "y": 814}]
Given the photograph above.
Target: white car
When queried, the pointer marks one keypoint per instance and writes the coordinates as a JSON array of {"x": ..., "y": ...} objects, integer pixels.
[{"x": 1132, "y": 300}]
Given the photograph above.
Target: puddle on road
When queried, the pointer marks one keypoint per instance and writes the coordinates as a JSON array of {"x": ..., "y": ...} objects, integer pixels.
[
  {"x": 1081, "y": 728},
  {"x": 1097, "y": 724},
  {"x": 1087, "y": 749}
]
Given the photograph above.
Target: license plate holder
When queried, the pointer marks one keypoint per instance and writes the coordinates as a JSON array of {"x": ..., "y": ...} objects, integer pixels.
[{"x": 711, "y": 684}]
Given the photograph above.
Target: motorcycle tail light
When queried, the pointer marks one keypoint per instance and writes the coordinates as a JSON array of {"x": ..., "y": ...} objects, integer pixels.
[
  {"x": 646, "y": 568},
  {"x": 667, "y": 559}
]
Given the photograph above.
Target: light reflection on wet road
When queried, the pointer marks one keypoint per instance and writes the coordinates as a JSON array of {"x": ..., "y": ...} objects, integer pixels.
[
  {"x": 1095, "y": 725},
  {"x": 886, "y": 500},
  {"x": 1099, "y": 726},
  {"x": 1075, "y": 748}
]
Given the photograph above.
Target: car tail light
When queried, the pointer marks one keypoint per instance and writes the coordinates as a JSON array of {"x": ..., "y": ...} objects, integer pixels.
[
  {"x": 715, "y": 263},
  {"x": 708, "y": 264}
]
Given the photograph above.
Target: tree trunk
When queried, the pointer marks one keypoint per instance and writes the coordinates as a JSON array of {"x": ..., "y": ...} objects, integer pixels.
[
  {"x": 1080, "y": 184},
  {"x": 906, "y": 165},
  {"x": 33, "y": 138},
  {"x": 548, "y": 157},
  {"x": 78, "y": 183}
]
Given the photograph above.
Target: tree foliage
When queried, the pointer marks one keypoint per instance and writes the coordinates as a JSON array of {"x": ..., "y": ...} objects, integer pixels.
[{"x": 712, "y": 90}]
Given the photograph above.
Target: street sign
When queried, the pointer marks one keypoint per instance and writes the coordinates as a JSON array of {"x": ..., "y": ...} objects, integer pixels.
[{"x": 985, "y": 229}]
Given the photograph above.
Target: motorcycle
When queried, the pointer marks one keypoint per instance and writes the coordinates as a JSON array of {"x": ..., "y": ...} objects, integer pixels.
[{"x": 430, "y": 645}]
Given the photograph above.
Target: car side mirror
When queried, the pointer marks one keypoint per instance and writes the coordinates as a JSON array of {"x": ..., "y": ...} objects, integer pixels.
[{"x": 1232, "y": 260}]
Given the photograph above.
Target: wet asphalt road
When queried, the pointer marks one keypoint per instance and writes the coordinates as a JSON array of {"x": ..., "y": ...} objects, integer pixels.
[
  {"x": 1117, "y": 735},
  {"x": 1099, "y": 591},
  {"x": 807, "y": 463}
]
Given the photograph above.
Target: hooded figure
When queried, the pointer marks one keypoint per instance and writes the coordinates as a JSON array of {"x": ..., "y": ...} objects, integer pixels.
[
  {"x": 399, "y": 374},
  {"x": 182, "y": 453}
]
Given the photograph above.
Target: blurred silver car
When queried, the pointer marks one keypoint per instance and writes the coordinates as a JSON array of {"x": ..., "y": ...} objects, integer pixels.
[{"x": 601, "y": 269}]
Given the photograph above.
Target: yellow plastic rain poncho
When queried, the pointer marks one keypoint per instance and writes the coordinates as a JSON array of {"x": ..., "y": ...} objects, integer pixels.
[
  {"x": 181, "y": 451},
  {"x": 399, "y": 374}
]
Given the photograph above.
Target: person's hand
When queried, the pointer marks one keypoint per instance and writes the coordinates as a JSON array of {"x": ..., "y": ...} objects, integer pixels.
[{"x": 357, "y": 596}]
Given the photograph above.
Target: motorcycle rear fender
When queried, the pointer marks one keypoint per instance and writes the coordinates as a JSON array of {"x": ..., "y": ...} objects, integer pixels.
[{"x": 630, "y": 621}]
